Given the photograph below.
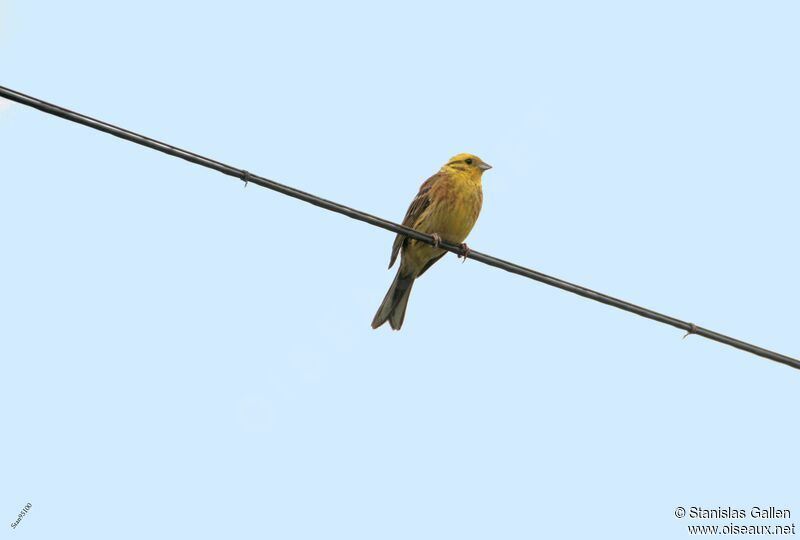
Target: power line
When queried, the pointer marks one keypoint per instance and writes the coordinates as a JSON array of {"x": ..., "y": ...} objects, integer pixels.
[{"x": 247, "y": 177}]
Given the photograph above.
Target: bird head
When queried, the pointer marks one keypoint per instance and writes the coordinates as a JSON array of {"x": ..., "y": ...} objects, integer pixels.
[{"x": 467, "y": 163}]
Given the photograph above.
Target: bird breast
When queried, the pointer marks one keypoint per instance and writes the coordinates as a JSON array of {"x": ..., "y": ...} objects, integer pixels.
[{"x": 455, "y": 210}]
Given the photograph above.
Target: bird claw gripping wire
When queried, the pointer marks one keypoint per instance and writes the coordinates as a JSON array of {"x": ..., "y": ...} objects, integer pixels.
[
  {"x": 246, "y": 177},
  {"x": 692, "y": 330},
  {"x": 464, "y": 252}
]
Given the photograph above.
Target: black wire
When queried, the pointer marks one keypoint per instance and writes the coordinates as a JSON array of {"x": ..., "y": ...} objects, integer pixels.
[{"x": 245, "y": 176}]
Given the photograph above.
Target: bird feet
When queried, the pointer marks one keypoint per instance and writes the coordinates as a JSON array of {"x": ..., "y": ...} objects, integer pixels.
[{"x": 464, "y": 252}]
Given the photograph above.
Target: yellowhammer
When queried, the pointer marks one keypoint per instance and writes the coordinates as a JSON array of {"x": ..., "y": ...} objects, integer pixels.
[{"x": 446, "y": 207}]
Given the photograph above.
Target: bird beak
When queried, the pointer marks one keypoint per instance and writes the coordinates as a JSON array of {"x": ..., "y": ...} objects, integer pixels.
[{"x": 484, "y": 166}]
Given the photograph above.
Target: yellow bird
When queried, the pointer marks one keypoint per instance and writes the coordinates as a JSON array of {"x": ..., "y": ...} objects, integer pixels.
[{"x": 446, "y": 207}]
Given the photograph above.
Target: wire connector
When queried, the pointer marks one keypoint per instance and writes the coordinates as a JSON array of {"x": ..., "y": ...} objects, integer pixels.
[
  {"x": 245, "y": 177},
  {"x": 692, "y": 330}
]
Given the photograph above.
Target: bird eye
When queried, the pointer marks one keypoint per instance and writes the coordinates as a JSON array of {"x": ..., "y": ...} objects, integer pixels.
[{"x": 468, "y": 161}]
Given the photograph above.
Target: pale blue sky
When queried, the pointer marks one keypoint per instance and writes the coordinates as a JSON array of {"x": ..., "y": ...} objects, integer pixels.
[{"x": 185, "y": 358}]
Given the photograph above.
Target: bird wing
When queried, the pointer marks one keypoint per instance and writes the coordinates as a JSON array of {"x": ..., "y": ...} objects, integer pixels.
[{"x": 418, "y": 206}]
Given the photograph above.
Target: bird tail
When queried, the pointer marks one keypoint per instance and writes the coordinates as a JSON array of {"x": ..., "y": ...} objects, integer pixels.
[{"x": 393, "y": 307}]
